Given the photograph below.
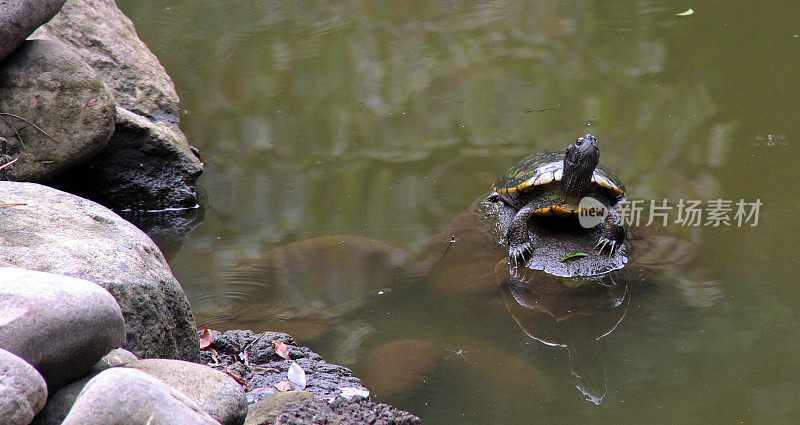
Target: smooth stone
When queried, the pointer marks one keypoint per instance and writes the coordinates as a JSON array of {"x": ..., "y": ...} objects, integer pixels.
[
  {"x": 148, "y": 162},
  {"x": 58, "y": 404},
  {"x": 126, "y": 396},
  {"x": 114, "y": 358},
  {"x": 47, "y": 84},
  {"x": 265, "y": 411},
  {"x": 59, "y": 232},
  {"x": 19, "y": 18},
  {"x": 59, "y": 324},
  {"x": 215, "y": 392},
  {"x": 23, "y": 391}
]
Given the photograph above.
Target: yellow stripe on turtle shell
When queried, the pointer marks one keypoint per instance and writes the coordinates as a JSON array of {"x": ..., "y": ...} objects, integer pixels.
[
  {"x": 606, "y": 183},
  {"x": 556, "y": 210}
]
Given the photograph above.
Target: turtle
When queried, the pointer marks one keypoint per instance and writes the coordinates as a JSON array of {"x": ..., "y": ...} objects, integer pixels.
[{"x": 553, "y": 184}]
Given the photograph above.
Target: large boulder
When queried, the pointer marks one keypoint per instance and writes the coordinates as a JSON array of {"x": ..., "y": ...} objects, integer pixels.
[
  {"x": 59, "y": 324},
  {"x": 148, "y": 163},
  {"x": 22, "y": 390},
  {"x": 19, "y": 18},
  {"x": 215, "y": 392},
  {"x": 128, "y": 396},
  {"x": 56, "y": 110},
  {"x": 61, "y": 233}
]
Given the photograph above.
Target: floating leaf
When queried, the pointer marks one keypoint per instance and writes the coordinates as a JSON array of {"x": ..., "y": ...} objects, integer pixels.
[
  {"x": 282, "y": 349},
  {"x": 297, "y": 376},
  {"x": 283, "y": 386},
  {"x": 206, "y": 339},
  {"x": 687, "y": 13},
  {"x": 349, "y": 392},
  {"x": 574, "y": 256}
]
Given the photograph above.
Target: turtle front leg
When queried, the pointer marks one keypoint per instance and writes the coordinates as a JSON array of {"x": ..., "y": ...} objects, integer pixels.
[
  {"x": 613, "y": 234},
  {"x": 519, "y": 243}
]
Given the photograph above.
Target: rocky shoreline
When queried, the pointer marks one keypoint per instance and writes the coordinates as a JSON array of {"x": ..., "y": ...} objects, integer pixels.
[{"x": 94, "y": 328}]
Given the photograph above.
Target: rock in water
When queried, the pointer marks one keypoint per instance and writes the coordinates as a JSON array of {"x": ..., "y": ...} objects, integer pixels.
[
  {"x": 22, "y": 390},
  {"x": 62, "y": 233},
  {"x": 59, "y": 324},
  {"x": 148, "y": 163},
  {"x": 19, "y": 18},
  {"x": 56, "y": 111}
]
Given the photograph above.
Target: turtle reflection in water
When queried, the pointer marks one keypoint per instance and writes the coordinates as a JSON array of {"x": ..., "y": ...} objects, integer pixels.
[
  {"x": 554, "y": 184},
  {"x": 573, "y": 313}
]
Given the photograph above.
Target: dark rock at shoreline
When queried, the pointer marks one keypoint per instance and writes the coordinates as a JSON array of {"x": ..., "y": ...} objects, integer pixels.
[
  {"x": 323, "y": 379},
  {"x": 148, "y": 164},
  {"x": 22, "y": 390},
  {"x": 59, "y": 324},
  {"x": 62, "y": 233},
  {"x": 19, "y": 18},
  {"x": 342, "y": 411},
  {"x": 56, "y": 110}
]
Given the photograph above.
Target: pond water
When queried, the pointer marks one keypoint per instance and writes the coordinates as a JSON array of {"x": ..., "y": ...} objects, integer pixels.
[{"x": 344, "y": 142}]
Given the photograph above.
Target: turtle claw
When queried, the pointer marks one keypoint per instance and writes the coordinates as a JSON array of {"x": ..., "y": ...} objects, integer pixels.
[
  {"x": 517, "y": 254},
  {"x": 604, "y": 242}
]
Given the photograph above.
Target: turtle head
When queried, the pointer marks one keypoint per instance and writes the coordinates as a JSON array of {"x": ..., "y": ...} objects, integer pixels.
[{"x": 580, "y": 160}]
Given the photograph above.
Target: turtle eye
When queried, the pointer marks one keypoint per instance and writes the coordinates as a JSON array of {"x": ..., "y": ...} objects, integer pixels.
[{"x": 579, "y": 142}]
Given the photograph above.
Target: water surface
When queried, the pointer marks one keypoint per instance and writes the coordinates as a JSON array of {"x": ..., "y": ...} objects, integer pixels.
[{"x": 344, "y": 141}]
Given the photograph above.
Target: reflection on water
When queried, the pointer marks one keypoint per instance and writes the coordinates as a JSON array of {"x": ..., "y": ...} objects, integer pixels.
[{"x": 386, "y": 120}]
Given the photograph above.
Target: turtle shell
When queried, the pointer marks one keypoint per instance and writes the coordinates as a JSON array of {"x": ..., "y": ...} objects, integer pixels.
[{"x": 539, "y": 175}]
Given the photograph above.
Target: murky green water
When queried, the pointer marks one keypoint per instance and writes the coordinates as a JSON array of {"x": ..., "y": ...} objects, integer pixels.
[{"x": 384, "y": 121}]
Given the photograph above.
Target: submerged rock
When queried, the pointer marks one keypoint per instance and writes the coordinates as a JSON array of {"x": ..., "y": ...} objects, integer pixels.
[
  {"x": 62, "y": 233},
  {"x": 56, "y": 110},
  {"x": 128, "y": 396},
  {"x": 148, "y": 163},
  {"x": 19, "y": 18},
  {"x": 400, "y": 367},
  {"x": 22, "y": 390},
  {"x": 59, "y": 324}
]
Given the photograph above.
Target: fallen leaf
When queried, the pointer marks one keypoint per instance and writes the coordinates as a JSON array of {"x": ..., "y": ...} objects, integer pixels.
[
  {"x": 349, "y": 392},
  {"x": 206, "y": 339},
  {"x": 297, "y": 376},
  {"x": 283, "y": 386},
  {"x": 282, "y": 349},
  {"x": 687, "y": 13},
  {"x": 574, "y": 256}
]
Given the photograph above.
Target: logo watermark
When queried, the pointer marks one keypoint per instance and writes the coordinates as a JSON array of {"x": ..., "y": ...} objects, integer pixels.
[{"x": 683, "y": 212}]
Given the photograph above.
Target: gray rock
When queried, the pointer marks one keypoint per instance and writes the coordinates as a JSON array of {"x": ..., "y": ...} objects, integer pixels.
[
  {"x": 23, "y": 391},
  {"x": 58, "y": 404},
  {"x": 265, "y": 411},
  {"x": 116, "y": 357},
  {"x": 62, "y": 233},
  {"x": 127, "y": 396},
  {"x": 46, "y": 84},
  {"x": 148, "y": 148},
  {"x": 59, "y": 324},
  {"x": 19, "y": 18},
  {"x": 215, "y": 392}
]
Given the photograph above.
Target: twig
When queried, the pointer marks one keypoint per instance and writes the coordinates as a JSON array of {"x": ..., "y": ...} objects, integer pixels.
[
  {"x": 30, "y": 123},
  {"x": 6, "y": 165}
]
